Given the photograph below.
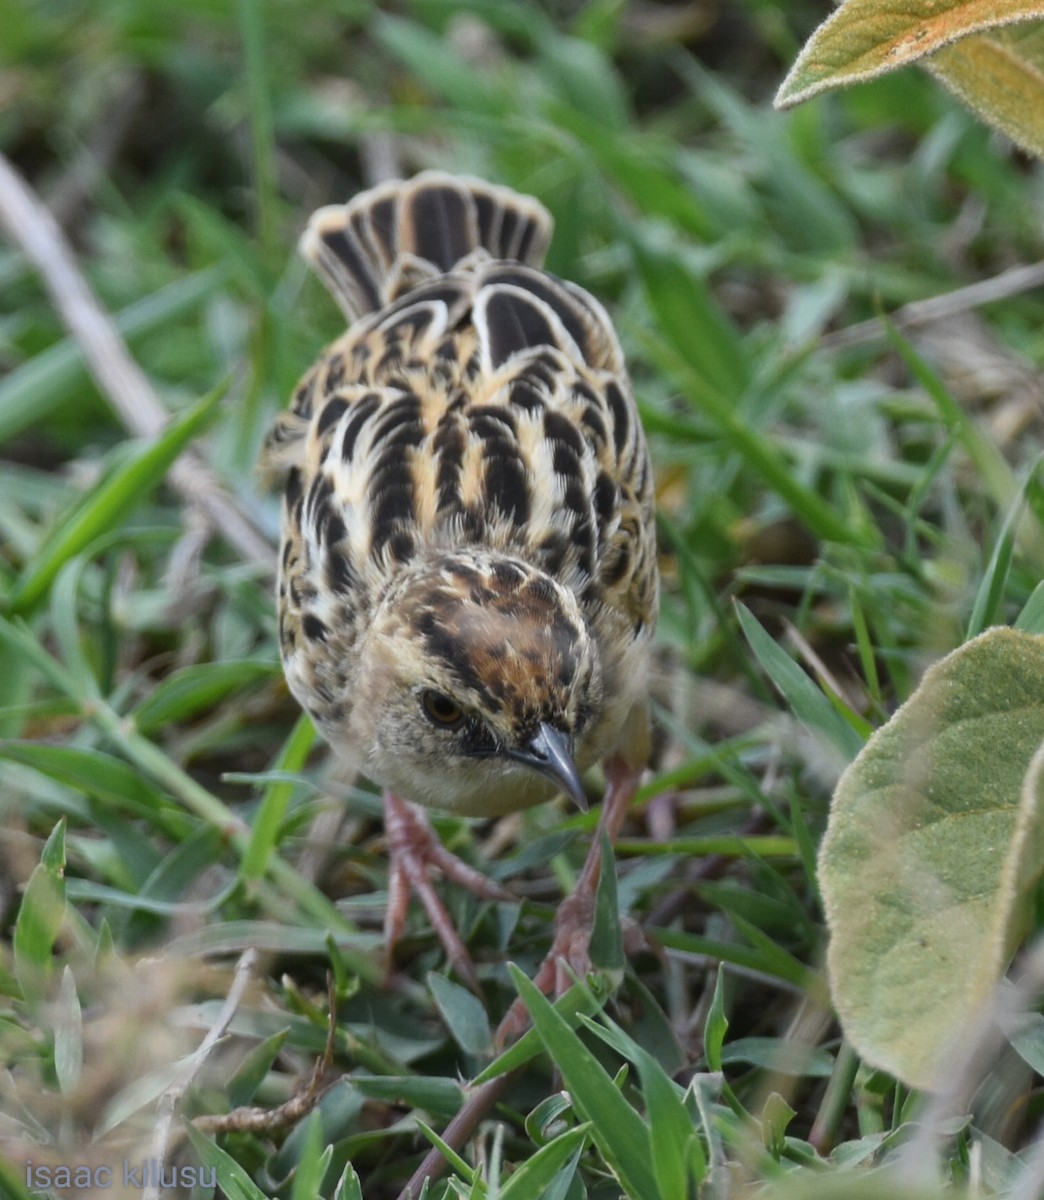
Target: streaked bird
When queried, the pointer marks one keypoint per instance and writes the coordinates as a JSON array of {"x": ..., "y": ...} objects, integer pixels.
[{"x": 468, "y": 580}]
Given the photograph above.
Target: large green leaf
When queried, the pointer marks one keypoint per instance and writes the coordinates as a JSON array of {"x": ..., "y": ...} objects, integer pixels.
[
  {"x": 933, "y": 846},
  {"x": 865, "y": 38},
  {"x": 1001, "y": 77},
  {"x": 989, "y": 52}
]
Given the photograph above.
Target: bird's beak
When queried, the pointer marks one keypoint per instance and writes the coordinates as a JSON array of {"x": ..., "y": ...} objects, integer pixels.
[{"x": 550, "y": 753}]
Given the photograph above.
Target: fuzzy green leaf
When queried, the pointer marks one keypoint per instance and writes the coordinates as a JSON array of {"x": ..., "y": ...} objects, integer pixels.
[
  {"x": 933, "y": 846},
  {"x": 990, "y": 53},
  {"x": 1000, "y": 76},
  {"x": 865, "y": 38}
]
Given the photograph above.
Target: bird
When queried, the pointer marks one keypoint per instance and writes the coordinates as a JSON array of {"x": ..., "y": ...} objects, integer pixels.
[{"x": 468, "y": 583}]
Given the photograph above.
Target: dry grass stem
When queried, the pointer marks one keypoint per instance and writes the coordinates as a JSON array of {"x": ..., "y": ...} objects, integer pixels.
[{"x": 30, "y": 224}]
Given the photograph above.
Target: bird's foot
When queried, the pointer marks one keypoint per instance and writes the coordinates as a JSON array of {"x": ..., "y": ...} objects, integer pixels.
[
  {"x": 570, "y": 953},
  {"x": 414, "y": 849}
]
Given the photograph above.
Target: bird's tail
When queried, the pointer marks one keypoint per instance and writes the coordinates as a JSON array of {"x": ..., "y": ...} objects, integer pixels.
[{"x": 389, "y": 239}]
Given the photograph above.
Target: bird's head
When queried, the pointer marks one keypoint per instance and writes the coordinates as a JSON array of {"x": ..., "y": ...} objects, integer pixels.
[{"x": 478, "y": 684}]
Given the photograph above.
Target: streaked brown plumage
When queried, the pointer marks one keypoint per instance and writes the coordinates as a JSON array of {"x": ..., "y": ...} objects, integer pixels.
[{"x": 468, "y": 579}]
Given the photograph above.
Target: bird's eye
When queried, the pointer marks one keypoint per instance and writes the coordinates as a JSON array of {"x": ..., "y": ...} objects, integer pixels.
[{"x": 441, "y": 710}]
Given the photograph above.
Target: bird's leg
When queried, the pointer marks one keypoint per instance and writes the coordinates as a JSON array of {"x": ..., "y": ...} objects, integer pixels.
[
  {"x": 575, "y": 919},
  {"x": 413, "y": 849}
]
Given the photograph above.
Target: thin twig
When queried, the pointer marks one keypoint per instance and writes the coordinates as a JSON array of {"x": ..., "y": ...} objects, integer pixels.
[
  {"x": 476, "y": 1108},
  {"x": 171, "y": 1098},
  {"x": 121, "y": 381},
  {"x": 250, "y": 1119},
  {"x": 921, "y": 312}
]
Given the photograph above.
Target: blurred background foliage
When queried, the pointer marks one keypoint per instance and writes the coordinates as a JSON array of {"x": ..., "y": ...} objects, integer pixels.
[{"x": 847, "y": 485}]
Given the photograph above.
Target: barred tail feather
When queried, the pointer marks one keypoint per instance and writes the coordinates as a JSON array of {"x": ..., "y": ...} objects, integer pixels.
[{"x": 385, "y": 241}]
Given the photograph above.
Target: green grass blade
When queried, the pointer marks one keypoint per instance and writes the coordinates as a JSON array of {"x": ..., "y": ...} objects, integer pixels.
[
  {"x": 21, "y": 645},
  {"x": 759, "y": 452},
  {"x": 251, "y": 1072},
  {"x": 777, "y": 966},
  {"x": 675, "y": 1148},
  {"x": 68, "y": 1035},
  {"x": 66, "y": 624},
  {"x": 692, "y": 323},
  {"x": 264, "y": 833},
  {"x": 348, "y": 1186},
  {"x": 314, "y": 1160},
  {"x": 641, "y": 167},
  {"x": 92, "y": 771},
  {"x": 40, "y": 917},
  {"x": 806, "y": 701},
  {"x": 235, "y": 1182},
  {"x": 551, "y": 1167},
  {"x": 774, "y": 959},
  {"x": 464, "y": 1015},
  {"x": 717, "y": 1023},
  {"x": 619, "y": 1132},
  {"x": 988, "y": 459},
  {"x": 108, "y": 502},
  {"x": 434, "y": 60},
  {"x": 990, "y": 595},
  {"x": 52, "y": 378},
  {"x": 607, "y": 952},
  {"x": 578, "y": 1001},
  {"x": 1031, "y": 618},
  {"x": 200, "y": 686},
  {"x": 733, "y": 845},
  {"x": 103, "y": 776},
  {"x": 265, "y": 190}
]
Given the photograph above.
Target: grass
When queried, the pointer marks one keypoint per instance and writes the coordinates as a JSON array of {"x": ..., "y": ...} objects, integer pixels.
[{"x": 834, "y": 515}]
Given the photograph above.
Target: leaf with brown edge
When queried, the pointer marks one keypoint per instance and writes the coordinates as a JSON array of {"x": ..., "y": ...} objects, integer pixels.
[
  {"x": 1001, "y": 77},
  {"x": 865, "y": 38}
]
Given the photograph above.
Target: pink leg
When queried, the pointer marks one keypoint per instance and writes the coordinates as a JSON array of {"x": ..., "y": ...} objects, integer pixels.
[
  {"x": 414, "y": 849},
  {"x": 573, "y": 924}
]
